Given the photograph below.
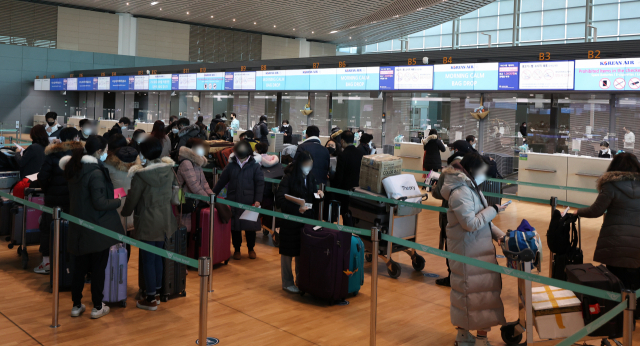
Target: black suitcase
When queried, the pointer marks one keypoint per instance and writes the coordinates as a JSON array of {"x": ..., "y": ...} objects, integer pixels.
[
  {"x": 32, "y": 235},
  {"x": 67, "y": 260},
  {"x": 5, "y": 217},
  {"x": 174, "y": 277},
  {"x": 592, "y": 307},
  {"x": 492, "y": 186}
]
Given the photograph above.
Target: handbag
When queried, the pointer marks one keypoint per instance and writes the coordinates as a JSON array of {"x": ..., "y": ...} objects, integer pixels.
[
  {"x": 175, "y": 191},
  {"x": 179, "y": 198}
]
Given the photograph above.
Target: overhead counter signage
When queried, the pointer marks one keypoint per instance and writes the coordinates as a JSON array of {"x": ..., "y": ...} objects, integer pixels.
[
  {"x": 88, "y": 83},
  {"x": 72, "y": 83},
  {"x": 271, "y": 80},
  {"x": 240, "y": 81},
  {"x": 358, "y": 78},
  {"x": 119, "y": 83},
  {"x": 413, "y": 77},
  {"x": 187, "y": 81},
  {"x": 547, "y": 75},
  {"x": 160, "y": 82},
  {"x": 323, "y": 79},
  {"x": 508, "y": 77},
  {"x": 482, "y": 76},
  {"x": 140, "y": 82},
  {"x": 210, "y": 81},
  {"x": 607, "y": 74},
  {"x": 297, "y": 79},
  {"x": 58, "y": 84}
]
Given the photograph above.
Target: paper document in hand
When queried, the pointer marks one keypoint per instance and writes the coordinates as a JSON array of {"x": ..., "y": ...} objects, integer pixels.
[
  {"x": 32, "y": 177},
  {"x": 296, "y": 200},
  {"x": 249, "y": 215}
]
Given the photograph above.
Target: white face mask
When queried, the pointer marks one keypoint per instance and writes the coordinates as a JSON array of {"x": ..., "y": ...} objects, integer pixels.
[
  {"x": 87, "y": 132},
  {"x": 285, "y": 125},
  {"x": 123, "y": 128},
  {"x": 306, "y": 170},
  {"x": 142, "y": 159},
  {"x": 174, "y": 130},
  {"x": 480, "y": 178},
  {"x": 103, "y": 156},
  {"x": 473, "y": 146},
  {"x": 199, "y": 151}
]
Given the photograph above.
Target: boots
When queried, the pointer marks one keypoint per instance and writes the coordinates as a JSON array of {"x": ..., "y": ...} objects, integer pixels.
[
  {"x": 464, "y": 338},
  {"x": 482, "y": 341}
]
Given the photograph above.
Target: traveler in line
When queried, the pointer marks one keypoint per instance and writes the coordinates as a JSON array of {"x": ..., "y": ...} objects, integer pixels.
[
  {"x": 347, "y": 170},
  {"x": 172, "y": 120},
  {"x": 138, "y": 136},
  {"x": 53, "y": 128},
  {"x": 186, "y": 132},
  {"x": 30, "y": 160},
  {"x": 432, "y": 148},
  {"x": 55, "y": 188},
  {"x": 297, "y": 182},
  {"x": 200, "y": 120},
  {"x": 91, "y": 199},
  {"x": 261, "y": 130},
  {"x": 287, "y": 131},
  {"x": 215, "y": 121},
  {"x": 118, "y": 165},
  {"x": 604, "y": 152},
  {"x": 523, "y": 131},
  {"x": 86, "y": 129},
  {"x": 235, "y": 123},
  {"x": 244, "y": 180},
  {"x": 149, "y": 199},
  {"x": 472, "y": 141},
  {"x": 332, "y": 148},
  {"x": 116, "y": 142},
  {"x": 365, "y": 145},
  {"x": 122, "y": 125},
  {"x": 190, "y": 174},
  {"x": 159, "y": 133},
  {"x": 248, "y": 136},
  {"x": 629, "y": 138},
  {"x": 320, "y": 154},
  {"x": 172, "y": 131},
  {"x": 263, "y": 158},
  {"x": 618, "y": 245},
  {"x": 220, "y": 133},
  {"x": 475, "y": 292}
]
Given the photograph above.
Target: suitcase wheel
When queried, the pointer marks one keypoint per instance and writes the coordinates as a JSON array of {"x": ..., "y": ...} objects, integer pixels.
[
  {"x": 507, "y": 331},
  {"x": 164, "y": 298},
  {"x": 227, "y": 261},
  {"x": 418, "y": 262},
  {"x": 276, "y": 239},
  {"x": 368, "y": 257},
  {"x": 10, "y": 245},
  {"x": 183, "y": 294},
  {"x": 19, "y": 250},
  {"x": 8, "y": 238},
  {"x": 355, "y": 293},
  {"x": 301, "y": 293},
  {"x": 265, "y": 232},
  {"x": 394, "y": 270},
  {"x": 123, "y": 303}
]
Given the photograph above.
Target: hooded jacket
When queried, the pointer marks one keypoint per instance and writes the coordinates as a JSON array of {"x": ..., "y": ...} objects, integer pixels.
[
  {"x": 320, "y": 156},
  {"x": 244, "y": 185},
  {"x": 149, "y": 200},
  {"x": 475, "y": 292},
  {"x": 190, "y": 175},
  {"x": 619, "y": 240},
  {"x": 119, "y": 174},
  {"x": 188, "y": 132},
  {"x": 91, "y": 199},
  {"x": 51, "y": 176},
  {"x": 432, "y": 148}
]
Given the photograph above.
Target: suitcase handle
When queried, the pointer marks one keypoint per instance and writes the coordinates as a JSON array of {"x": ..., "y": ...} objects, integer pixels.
[{"x": 121, "y": 274}]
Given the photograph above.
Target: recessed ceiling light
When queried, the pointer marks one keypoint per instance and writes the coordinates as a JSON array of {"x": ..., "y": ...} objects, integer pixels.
[
  {"x": 334, "y": 31},
  {"x": 187, "y": 12},
  {"x": 294, "y": 29},
  {"x": 211, "y": 16},
  {"x": 160, "y": 8},
  {"x": 313, "y": 32},
  {"x": 349, "y": 37},
  {"x": 274, "y": 26},
  {"x": 254, "y": 23},
  {"x": 154, "y": 3},
  {"x": 127, "y": 4},
  {"x": 234, "y": 19}
]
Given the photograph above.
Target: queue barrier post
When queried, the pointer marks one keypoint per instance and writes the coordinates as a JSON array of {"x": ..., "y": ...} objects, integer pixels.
[
  {"x": 375, "y": 241},
  {"x": 321, "y": 204},
  {"x": 203, "y": 271},
  {"x": 629, "y": 323},
  {"x": 55, "y": 267},
  {"x": 554, "y": 204},
  {"x": 212, "y": 209}
]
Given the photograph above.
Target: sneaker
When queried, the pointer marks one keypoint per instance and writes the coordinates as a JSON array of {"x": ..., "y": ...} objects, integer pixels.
[
  {"x": 77, "y": 310},
  {"x": 464, "y": 338},
  {"x": 95, "y": 313},
  {"x": 446, "y": 282},
  {"x": 482, "y": 341},
  {"x": 43, "y": 268},
  {"x": 147, "y": 305},
  {"x": 252, "y": 254},
  {"x": 236, "y": 255},
  {"x": 157, "y": 299},
  {"x": 291, "y": 289}
]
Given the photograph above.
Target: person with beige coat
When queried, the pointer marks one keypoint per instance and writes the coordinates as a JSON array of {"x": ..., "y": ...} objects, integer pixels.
[
  {"x": 475, "y": 292},
  {"x": 118, "y": 164}
]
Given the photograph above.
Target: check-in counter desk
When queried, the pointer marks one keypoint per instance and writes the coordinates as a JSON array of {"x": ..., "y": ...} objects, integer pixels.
[
  {"x": 39, "y": 119},
  {"x": 75, "y": 122},
  {"x": 276, "y": 142},
  {"x": 147, "y": 127},
  {"x": 411, "y": 155},
  {"x": 236, "y": 135},
  {"x": 105, "y": 125},
  {"x": 324, "y": 140},
  {"x": 583, "y": 171}
]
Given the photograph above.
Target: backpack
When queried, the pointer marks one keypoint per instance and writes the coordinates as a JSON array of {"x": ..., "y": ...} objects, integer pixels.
[
  {"x": 256, "y": 131},
  {"x": 222, "y": 157},
  {"x": 562, "y": 236}
]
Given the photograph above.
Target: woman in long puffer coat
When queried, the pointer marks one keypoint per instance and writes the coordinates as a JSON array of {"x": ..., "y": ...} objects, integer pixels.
[
  {"x": 475, "y": 292},
  {"x": 432, "y": 148}
]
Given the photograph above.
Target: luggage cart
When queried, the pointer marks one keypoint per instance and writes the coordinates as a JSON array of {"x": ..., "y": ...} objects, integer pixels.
[
  {"x": 366, "y": 214},
  {"x": 513, "y": 333}
]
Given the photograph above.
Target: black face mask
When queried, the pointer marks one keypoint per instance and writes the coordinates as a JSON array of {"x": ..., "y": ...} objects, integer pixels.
[
  {"x": 331, "y": 150},
  {"x": 51, "y": 123}
]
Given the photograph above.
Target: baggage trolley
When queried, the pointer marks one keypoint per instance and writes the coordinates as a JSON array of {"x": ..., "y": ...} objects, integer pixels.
[
  {"x": 390, "y": 223},
  {"x": 513, "y": 333}
]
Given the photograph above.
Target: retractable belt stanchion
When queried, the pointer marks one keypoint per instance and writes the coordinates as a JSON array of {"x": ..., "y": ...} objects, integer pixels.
[
  {"x": 55, "y": 267},
  {"x": 554, "y": 204},
  {"x": 375, "y": 241},
  {"x": 203, "y": 271},
  {"x": 627, "y": 336},
  {"x": 212, "y": 209},
  {"x": 322, "y": 204}
]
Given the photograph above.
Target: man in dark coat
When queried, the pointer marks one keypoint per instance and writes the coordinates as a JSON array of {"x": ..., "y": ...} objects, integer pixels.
[
  {"x": 287, "y": 131},
  {"x": 347, "y": 169},
  {"x": 55, "y": 188},
  {"x": 320, "y": 154},
  {"x": 53, "y": 128},
  {"x": 261, "y": 130},
  {"x": 187, "y": 132},
  {"x": 122, "y": 124}
]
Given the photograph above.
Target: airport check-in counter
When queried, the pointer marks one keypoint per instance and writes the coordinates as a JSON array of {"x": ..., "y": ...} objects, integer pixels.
[
  {"x": 147, "y": 127},
  {"x": 584, "y": 171},
  {"x": 411, "y": 155},
  {"x": 105, "y": 125},
  {"x": 75, "y": 122},
  {"x": 40, "y": 119}
]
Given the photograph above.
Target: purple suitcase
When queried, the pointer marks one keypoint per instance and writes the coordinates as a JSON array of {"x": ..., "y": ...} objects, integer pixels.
[
  {"x": 115, "y": 279},
  {"x": 324, "y": 263}
]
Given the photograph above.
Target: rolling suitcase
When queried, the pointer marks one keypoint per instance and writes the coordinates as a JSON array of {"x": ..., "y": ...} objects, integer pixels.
[
  {"x": 115, "y": 279},
  {"x": 67, "y": 260},
  {"x": 324, "y": 263},
  {"x": 199, "y": 240},
  {"x": 174, "y": 277},
  {"x": 33, "y": 219},
  {"x": 356, "y": 257},
  {"x": 492, "y": 186},
  {"x": 592, "y": 307},
  {"x": 5, "y": 217}
]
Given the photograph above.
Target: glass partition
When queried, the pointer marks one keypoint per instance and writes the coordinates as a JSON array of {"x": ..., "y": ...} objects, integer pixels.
[
  {"x": 500, "y": 127},
  {"x": 587, "y": 117},
  {"x": 189, "y": 105},
  {"x": 263, "y": 103},
  {"x": 627, "y": 123},
  {"x": 321, "y": 108},
  {"x": 213, "y": 103},
  {"x": 358, "y": 111},
  {"x": 293, "y": 104}
]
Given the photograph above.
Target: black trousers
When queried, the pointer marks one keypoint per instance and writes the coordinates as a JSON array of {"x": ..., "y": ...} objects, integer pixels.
[
  {"x": 96, "y": 263},
  {"x": 236, "y": 239},
  {"x": 630, "y": 278}
]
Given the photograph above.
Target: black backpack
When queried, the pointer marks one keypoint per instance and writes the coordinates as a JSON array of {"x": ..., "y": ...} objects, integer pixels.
[
  {"x": 256, "y": 131},
  {"x": 562, "y": 236}
]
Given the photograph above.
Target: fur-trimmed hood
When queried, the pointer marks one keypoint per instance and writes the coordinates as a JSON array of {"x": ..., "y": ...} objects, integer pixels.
[
  {"x": 115, "y": 162},
  {"x": 187, "y": 129},
  {"x": 86, "y": 159},
  {"x": 627, "y": 182},
  {"x": 89, "y": 164},
  {"x": 188, "y": 154},
  {"x": 153, "y": 173},
  {"x": 268, "y": 161},
  {"x": 429, "y": 138},
  {"x": 63, "y": 147},
  {"x": 312, "y": 139},
  {"x": 453, "y": 179}
]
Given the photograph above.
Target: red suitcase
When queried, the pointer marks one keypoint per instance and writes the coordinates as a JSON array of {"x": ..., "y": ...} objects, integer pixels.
[{"x": 199, "y": 239}]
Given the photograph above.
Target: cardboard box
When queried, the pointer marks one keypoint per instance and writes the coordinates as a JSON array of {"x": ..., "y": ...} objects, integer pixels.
[
  {"x": 374, "y": 168},
  {"x": 557, "y": 312}
]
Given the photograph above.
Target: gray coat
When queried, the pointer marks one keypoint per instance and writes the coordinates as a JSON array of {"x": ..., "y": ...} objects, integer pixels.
[
  {"x": 619, "y": 240},
  {"x": 245, "y": 185},
  {"x": 91, "y": 199},
  {"x": 119, "y": 174},
  {"x": 475, "y": 292}
]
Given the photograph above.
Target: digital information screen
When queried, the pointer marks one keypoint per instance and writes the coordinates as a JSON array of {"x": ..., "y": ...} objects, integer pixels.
[
  {"x": 271, "y": 80},
  {"x": 160, "y": 82},
  {"x": 104, "y": 83},
  {"x": 413, "y": 78},
  {"x": 323, "y": 79},
  {"x": 72, "y": 83},
  {"x": 187, "y": 81},
  {"x": 358, "y": 78},
  {"x": 607, "y": 74},
  {"x": 297, "y": 79},
  {"x": 240, "y": 81},
  {"x": 37, "y": 84},
  {"x": 58, "y": 84},
  {"x": 547, "y": 75},
  {"x": 46, "y": 84},
  {"x": 466, "y": 76},
  {"x": 210, "y": 81},
  {"x": 508, "y": 76},
  {"x": 119, "y": 83}
]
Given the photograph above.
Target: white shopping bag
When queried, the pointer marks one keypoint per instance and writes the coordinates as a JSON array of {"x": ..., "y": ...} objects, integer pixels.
[{"x": 403, "y": 185}]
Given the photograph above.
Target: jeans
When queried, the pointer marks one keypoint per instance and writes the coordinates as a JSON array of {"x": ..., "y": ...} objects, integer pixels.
[
  {"x": 236, "y": 238},
  {"x": 152, "y": 265},
  {"x": 286, "y": 272},
  {"x": 96, "y": 263}
]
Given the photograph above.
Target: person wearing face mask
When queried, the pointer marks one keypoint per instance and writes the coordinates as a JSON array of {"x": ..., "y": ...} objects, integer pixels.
[
  {"x": 431, "y": 160},
  {"x": 321, "y": 157},
  {"x": 523, "y": 130},
  {"x": 174, "y": 138},
  {"x": 159, "y": 133},
  {"x": 190, "y": 174},
  {"x": 86, "y": 129},
  {"x": 347, "y": 169},
  {"x": 220, "y": 133},
  {"x": 91, "y": 198},
  {"x": 297, "y": 182},
  {"x": 30, "y": 159},
  {"x": 287, "y": 131},
  {"x": 235, "y": 123},
  {"x": 118, "y": 164},
  {"x": 604, "y": 152},
  {"x": 244, "y": 180},
  {"x": 138, "y": 136},
  {"x": 122, "y": 125},
  {"x": 472, "y": 141},
  {"x": 365, "y": 143},
  {"x": 53, "y": 128},
  {"x": 475, "y": 292}
]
